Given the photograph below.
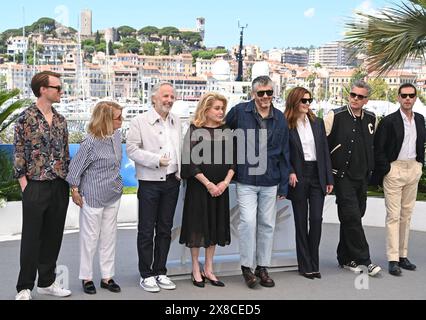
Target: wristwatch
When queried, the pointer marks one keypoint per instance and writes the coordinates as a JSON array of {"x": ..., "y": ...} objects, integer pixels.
[{"x": 74, "y": 189}]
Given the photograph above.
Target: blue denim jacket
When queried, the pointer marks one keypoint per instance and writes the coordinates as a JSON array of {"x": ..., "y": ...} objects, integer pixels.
[{"x": 277, "y": 167}]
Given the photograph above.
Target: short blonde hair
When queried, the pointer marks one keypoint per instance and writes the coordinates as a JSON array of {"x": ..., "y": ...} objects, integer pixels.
[
  {"x": 205, "y": 104},
  {"x": 101, "y": 123}
]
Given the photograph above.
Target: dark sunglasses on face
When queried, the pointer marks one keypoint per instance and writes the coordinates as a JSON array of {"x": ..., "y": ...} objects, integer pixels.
[
  {"x": 269, "y": 93},
  {"x": 306, "y": 101},
  {"x": 359, "y": 96},
  {"x": 405, "y": 95},
  {"x": 59, "y": 88}
]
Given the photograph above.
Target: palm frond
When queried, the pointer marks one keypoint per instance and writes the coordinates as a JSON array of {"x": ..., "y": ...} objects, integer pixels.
[
  {"x": 390, "y": 38},
  {"x": 9, "y": 110},
  {"x": 421, "y": 3}
]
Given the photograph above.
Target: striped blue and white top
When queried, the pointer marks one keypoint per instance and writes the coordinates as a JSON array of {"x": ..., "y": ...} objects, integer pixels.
[{"x": 95, "y": 169}]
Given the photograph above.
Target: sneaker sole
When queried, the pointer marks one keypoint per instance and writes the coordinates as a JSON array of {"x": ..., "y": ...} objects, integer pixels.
[
  {"x": 165, "y": 287},
  {"x": 151, "y": 290},
  {"x": 54, "y": 295},
  {"x": 351, "y": 269}
]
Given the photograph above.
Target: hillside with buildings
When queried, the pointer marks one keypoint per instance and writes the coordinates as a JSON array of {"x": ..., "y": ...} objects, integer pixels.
[{"x": 124, "y": 63}]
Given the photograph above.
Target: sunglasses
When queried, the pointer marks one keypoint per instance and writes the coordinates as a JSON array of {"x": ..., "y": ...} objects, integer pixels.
[
  {"x": 405, "y": 95},
  {"x": 306, "y": 101},
  {"x": 269, "y": 93},
  {"x": 59, "y": 88},
  {"x": 120, "y": 118},
  {"x": 359, "y": 96}
]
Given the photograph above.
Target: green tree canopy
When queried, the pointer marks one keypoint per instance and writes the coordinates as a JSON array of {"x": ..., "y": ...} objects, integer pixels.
[
  {"x": 149, "y": 48},
  {"x": 170, "y": 32},
  {"x": 126, "y": 31},
  {"x": 379, "y": 89},
  {"x": 130, "y": 45},
  {"x": 165, "y": 48},
  {"x": 148, "y": 31},
  {"x": 191, "y": 38},
  {"x": 97, "y": 38}
]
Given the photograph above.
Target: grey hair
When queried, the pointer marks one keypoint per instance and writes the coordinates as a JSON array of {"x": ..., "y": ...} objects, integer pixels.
[
  {"x": 261, "y": 81},
  {"x": 157, "y": 87},
  {"x": 362, "y": 84}
]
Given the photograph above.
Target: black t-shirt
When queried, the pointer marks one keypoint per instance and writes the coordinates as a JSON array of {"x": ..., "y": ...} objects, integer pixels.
[{"x": 358, "y": 162}]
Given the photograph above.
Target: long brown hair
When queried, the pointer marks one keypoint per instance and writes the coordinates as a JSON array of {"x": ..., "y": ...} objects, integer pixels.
[
  {"x": 101, "y": 123},
  {"x": 292, "y": 106},
  {"x": 205, "y": 104}
]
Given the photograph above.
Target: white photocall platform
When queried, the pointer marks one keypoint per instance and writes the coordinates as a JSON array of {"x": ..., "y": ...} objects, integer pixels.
[{"x": 227, "y": 259}]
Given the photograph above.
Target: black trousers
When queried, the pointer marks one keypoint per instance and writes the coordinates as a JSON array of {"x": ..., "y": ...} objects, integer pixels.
[
  {"x": 157, "y": 204},
  {"x": 351, "y": 198},
  {"x": 308, "y": 206},
  {"x": 45, "y": 205}
]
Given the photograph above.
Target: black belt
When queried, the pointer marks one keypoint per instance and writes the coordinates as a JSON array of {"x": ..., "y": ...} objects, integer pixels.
[
  {"x": 171, "y": 175},
  {"x": 310, "y": 163}
]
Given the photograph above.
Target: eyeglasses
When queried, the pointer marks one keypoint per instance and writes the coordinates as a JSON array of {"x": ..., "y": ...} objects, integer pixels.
[
  {"x": 120, "y": 118},
  {"x": 359, "y": 96},
  {"x": 405, "y": 95},
  {"x": 261, "y": 93},
  {"x": 59, "y": 88},
  {"x": 306, "y": 101}
]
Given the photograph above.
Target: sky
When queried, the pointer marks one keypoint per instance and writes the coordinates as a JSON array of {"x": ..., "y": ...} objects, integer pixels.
[{"x": 271, "y": 24}]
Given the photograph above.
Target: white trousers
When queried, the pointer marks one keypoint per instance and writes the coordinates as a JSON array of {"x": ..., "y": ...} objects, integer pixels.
[{"x": 98, "y": 225}]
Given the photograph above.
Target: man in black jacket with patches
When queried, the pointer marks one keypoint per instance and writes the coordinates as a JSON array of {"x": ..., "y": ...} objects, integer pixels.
[{"x": 350, "y": 132}]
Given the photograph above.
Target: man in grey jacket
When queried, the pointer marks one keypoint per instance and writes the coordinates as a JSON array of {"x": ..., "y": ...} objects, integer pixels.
[{"x": 153, "y": 143}]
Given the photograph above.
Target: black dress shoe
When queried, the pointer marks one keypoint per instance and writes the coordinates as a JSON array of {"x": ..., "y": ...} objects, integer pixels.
[
  {"x": 317, "y": 275},
  {"x": 111, "y": 286},
  {"x": 394, "y": 269},
  {"x": 249, "y": 278},
  {"x": 307, "y": 275},
  {"x": 199, "y": 284},
  {"x": 88, "y": 287},
  {"x": 404, "y": 263},
  {"x": 216, "y": 283}
]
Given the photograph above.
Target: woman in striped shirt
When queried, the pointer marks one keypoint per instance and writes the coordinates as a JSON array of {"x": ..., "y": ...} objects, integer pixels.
[{"x": 96, "y": 187}]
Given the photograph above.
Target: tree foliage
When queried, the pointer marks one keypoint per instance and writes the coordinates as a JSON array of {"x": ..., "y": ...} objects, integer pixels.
[
  {"x": 149, "y": 48},
  {"x": 391, "y": 36},
  {"x": 148, "y": 31},
  {"x": 169, "y": 32},
  {"x": 130, "y": 45},
  {"x": 126, "y": 31}
]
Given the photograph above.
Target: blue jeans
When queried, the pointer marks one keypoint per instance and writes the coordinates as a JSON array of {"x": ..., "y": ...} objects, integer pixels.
[{"x": 257, "y": 223}]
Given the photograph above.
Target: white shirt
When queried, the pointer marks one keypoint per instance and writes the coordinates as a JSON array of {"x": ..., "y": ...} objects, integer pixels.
[
  {"x": 307, "y": 138},
  {"x": 408, "y": 149},
  {"x": 169, "y": 150}
]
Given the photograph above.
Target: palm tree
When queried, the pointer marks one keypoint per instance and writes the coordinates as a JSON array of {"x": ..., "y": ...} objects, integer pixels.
[
  {"x": 8, "y": 185},
  {"x": 390, "y": 37},
  {"x": 4, "y": 114}
]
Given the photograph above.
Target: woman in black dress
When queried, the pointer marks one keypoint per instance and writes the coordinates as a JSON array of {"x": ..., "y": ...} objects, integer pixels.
[{"x": 207, "y": 164}]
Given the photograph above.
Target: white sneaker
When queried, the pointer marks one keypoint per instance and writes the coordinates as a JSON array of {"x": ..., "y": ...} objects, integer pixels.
[
  {"x": 164, "y": 282},
  {"x": 373, "y": 269},
  {"x": 353, "y": 266},
  {"x": 24, "y": 295},
  {"x": 149, "y": 284},
  {"x": 54, "y": 290}
]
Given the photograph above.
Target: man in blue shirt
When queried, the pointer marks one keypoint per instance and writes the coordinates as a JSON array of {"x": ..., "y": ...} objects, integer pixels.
[{"x": 262, "y": 133}]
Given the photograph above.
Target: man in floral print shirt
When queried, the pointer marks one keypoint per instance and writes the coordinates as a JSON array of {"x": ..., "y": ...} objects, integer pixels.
[{"x": 41, "y": 160}]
